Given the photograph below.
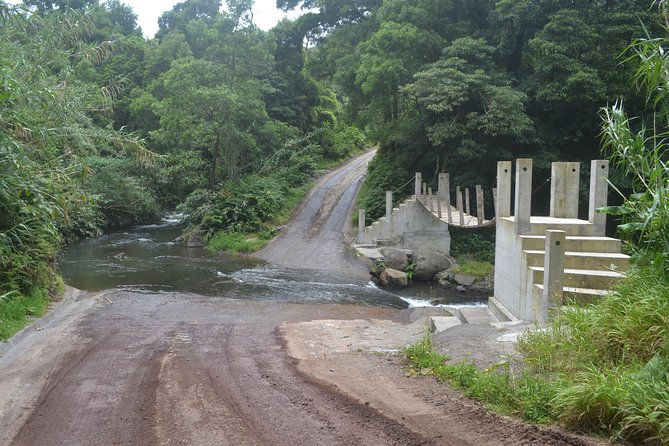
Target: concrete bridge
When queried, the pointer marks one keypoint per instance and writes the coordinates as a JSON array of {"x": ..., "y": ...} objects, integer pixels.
[
  {"x": 541, "y": 262},
  {"x": 422, "y": 221}
]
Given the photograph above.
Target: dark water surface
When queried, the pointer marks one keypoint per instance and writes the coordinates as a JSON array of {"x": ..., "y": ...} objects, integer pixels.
[{"x": 144, "y": 257}]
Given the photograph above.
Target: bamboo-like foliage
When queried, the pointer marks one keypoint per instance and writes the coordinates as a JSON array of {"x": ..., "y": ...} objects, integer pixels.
[
  {"x": 639, "y": 147},
  {"x": 49, "y": 127}
]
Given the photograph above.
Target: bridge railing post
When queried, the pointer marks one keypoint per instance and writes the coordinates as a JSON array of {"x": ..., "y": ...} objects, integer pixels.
[
  {"x": 389, "y": 204},
  {"x": 361, "y": 226},
  {"x": 503, "y": 192},
  {"x": 599, "y": 189},
  {"x": 467, "y": 207},
  {"x": 418, "y": 184},
  {"x": 565, "y": 178},
  {"x": 442, "y": 187},
  {"x": 480, "y": 208},
  {"x": 458, "y": 200},
  {"x": 552, "y": 293},
  {"x": 523, "y": 202}
]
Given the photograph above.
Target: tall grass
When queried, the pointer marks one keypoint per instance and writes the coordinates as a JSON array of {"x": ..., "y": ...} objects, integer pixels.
[
  {"x": 17, "y": 308},
  {"x": 610, "y": 360}
]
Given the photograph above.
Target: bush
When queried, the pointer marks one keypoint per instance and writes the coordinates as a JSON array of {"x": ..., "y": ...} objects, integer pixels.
[
  {"x": 123, "y": 197},
  {"x": 16, "y": 308},
  {"x": 235, "y": 242},
  {"x": 612, "y": 359}
]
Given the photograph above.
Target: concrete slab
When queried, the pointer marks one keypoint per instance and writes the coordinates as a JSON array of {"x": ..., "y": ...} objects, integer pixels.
[
  {"x": 445, "y": 322},
  {"x": 476, "y": 315},
  {"x": 370, "y": 253}
]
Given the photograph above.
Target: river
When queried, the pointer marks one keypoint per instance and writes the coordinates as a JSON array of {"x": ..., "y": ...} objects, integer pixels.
[{"x": 145, "y": 258}]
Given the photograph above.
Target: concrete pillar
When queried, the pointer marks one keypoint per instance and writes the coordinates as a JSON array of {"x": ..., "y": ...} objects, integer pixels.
[
  {"x": 361, "y": 226},
  {"x": 523, "y": 202},
  {"x": 503, "y": 192},
  {"x": 429, "y": 190},
  {"x": 419, "y": 182},
  {"x": 480, "y": 208},
  {"x": 467, "y": 207},
  {"x": 494, "y": 200},
  {"x": 565, "y": 178},
  {"x": 551, "y": 298},
  {"x": 458, "y": 202},
  {"x": 424, "y": 188},
  {"x": 599, "y": 190},
  {"x": 389, "y": 204},
  {"x": 442, "y": 187},
  {"x": 449, "y": 213}
]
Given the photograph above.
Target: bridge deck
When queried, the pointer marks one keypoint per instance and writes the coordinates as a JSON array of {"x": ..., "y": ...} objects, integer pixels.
[{"x": 435, "y": 203}]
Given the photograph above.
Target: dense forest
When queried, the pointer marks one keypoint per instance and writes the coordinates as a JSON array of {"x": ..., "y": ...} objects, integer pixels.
[{"x": 102, "y": 127}]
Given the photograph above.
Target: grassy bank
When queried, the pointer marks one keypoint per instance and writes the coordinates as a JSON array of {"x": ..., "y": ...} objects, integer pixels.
[
  {"x": 601, "y": 369},
  {"x": 16, "y": 309}
]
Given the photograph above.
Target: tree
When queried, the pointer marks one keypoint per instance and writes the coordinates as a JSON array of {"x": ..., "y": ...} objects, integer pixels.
[{"x": 202, "y": 114}]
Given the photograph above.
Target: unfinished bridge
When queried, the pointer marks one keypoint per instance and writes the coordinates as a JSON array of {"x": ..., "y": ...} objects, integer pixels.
[{"x": 541, "y": 262}]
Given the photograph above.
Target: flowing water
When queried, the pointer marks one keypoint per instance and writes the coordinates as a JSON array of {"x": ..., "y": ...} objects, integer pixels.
[{"x": 145, "y": 258}]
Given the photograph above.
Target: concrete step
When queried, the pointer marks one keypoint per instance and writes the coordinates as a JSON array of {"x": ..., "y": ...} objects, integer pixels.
[
  {"x": 611, "y": 261},
  {"x": 578, "y": 296},
  {"x": 575, "y": 243},
  {"x": 580, "y": 278},
  {"x": 476, "y": 315},
  {"x": 571, "y": 226}
]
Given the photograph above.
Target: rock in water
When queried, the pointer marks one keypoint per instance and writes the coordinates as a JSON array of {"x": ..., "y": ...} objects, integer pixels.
[
  {"x": 464, "y": 279},
  {"x": 394, "y": 258},
  {"x": 391, "y": 278},
  {"x": 429, "y": 263}
]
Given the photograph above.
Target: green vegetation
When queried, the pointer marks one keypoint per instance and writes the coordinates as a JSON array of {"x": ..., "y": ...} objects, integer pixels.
[
  {"x": 474, "y": 268},
  {"x": 518, "y": 394},
  {"x": 235, "y": 242},
  {"x": 16, "y": 308},
  {"x": 604, "y": 368}
]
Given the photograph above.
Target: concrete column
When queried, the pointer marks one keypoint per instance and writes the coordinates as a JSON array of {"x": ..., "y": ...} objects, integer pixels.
[
  {"x": 424, "y": 188},
  {"x": 480, "y": 208},
  {"x": 599, "y": 190},
  {"x": 467, "y": 207},
  {"x": 494, "y": 200},
  {"x": 449, "y": 213},
  {"x": 419, "y": 182},
  {"x": 389, "y": 204},
  {"x": 523, "y": 202},
  {"x": 458, "y": 202},
  {"x": 442, "y": 187},
  {"x": 429, "y": 190},
  {"x": 361, "y": 226},
  {"x": 551, "y": 298},
  {"x": 565, "y": 178},
  {"x": 503, "y": 193}
]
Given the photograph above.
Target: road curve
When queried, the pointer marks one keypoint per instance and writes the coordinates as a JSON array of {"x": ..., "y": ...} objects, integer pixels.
[{"x": 316, "y": 237}]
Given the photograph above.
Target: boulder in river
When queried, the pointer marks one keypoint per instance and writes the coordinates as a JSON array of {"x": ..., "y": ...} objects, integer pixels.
[
  {"x": 394, "y": 258},
  {"x": 428, "y": 263},
  {"x": 391, "y": 278}
]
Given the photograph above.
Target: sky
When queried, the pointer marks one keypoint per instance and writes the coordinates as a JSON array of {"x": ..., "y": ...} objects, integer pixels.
[{"x": 265, "y": 14}]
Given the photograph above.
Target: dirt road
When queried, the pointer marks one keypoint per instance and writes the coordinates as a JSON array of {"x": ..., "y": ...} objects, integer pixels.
[
  {"x": 316, "y": 238},
  {"x": 139, "y": 368}
]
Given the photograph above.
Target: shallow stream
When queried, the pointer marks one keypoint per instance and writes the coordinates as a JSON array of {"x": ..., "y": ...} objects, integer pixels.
[{"x": 145, "y": 258}]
